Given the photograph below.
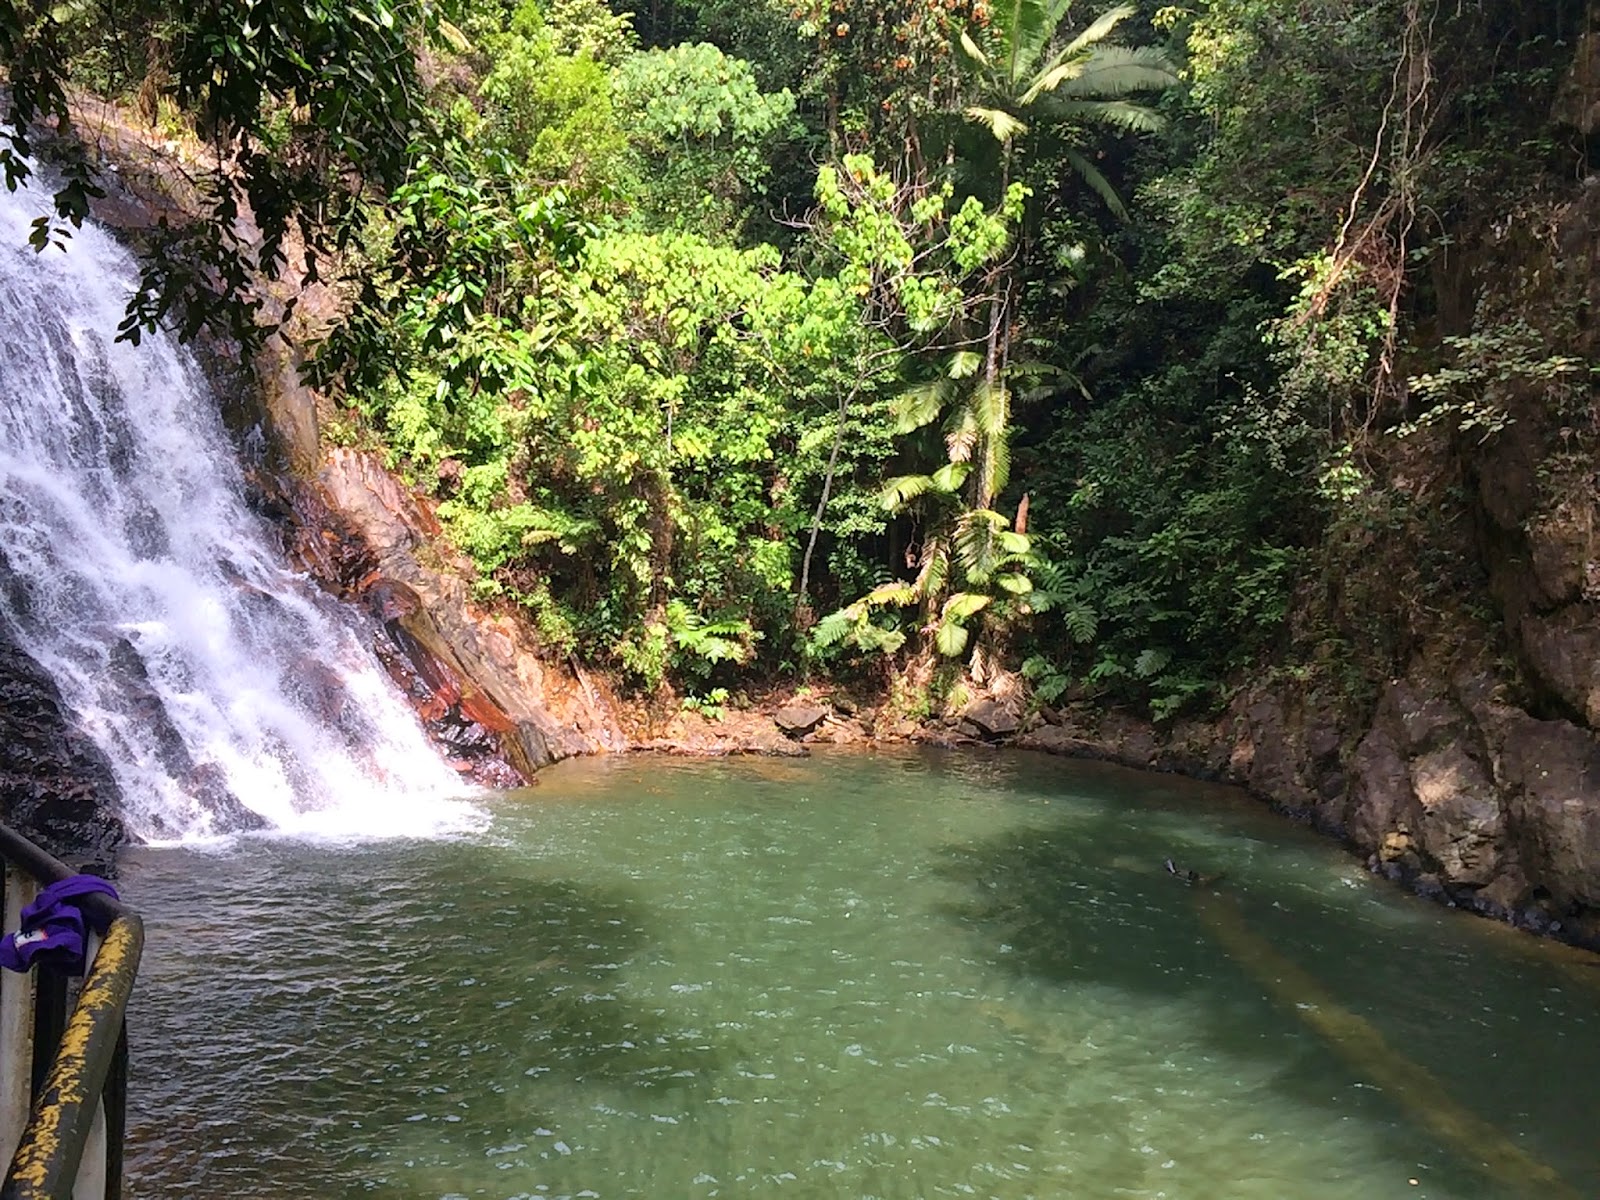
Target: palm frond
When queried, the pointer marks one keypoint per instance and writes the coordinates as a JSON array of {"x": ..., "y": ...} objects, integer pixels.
[
  {"x": 1099, "y": 184},
  {"x": 976, "y": 545},
  {"x": 1002, "y": 124},
  {"x": 991, "y": 408},
  {"x": 964, "y": 364},
  {"x": 1124, "y": 114},
  {"x": 996, "y": 464},
  {"x": 973, "y": 50},
  {"x": 961, "y": 434},
  {"x": 1098, "y": 30},
  {"x": 1117, "y": 71},
  {"x": 935, "y": 570}
]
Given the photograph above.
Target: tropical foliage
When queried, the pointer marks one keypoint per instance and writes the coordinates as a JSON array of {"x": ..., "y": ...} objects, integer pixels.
[{"x": 798, "y": 335}]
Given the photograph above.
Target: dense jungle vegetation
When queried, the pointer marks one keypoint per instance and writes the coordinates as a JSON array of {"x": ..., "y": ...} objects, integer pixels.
[{"x": 882, "y": 338}]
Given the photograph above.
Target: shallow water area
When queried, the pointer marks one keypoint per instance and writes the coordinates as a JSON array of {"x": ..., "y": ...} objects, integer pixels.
[{"x": 905, "y": 975}]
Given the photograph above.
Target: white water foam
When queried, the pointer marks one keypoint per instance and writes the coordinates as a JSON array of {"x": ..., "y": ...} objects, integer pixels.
[{"x": 132, "y": 570}]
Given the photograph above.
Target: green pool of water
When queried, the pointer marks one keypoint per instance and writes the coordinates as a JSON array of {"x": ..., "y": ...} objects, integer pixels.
[{"x": 851, "y": 976}]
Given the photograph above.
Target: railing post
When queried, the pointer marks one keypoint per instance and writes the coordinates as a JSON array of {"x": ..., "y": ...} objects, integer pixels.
[
  {"x": 16, "y": 1024},
  {"x": 65, "y": 1073},
  {"x": 90, "y": 1183}
]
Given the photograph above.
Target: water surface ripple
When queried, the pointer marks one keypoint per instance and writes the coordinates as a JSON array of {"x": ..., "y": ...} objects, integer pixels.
[{"x": 866, "y": 977}]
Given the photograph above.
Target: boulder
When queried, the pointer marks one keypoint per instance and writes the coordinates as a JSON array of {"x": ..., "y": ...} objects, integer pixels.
[
  {"x": 1461, "y": 827},
  {"x": 1550, "y": 774},
  {"x": 992, "y": 718},
  {"x": 798, "y": 718},
  {"x": 696, "y": 736},
  {"x": 1563, "y": 651}
]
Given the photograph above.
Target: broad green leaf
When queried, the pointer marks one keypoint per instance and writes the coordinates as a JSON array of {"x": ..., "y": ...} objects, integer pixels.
[
  {"x": 965, "y": 604},
  {"x": 951, "y": 639},
  {"x": 897, "y": 594},
  {"x": 917, "y": 406},
  {"x": 1015, "y": 583},
  {"x": 964, "y": 364},
  {"x": 951, "y": 476},
  {"x": 901, "y": 490}
]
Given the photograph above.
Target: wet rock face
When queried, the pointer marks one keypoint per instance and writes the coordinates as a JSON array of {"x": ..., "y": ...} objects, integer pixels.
[
  {"x": 482, "y": 688},
  {"x": 56, "y": 787}
]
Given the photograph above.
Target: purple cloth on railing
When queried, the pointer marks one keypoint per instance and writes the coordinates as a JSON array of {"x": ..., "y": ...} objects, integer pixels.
[{"x": 53, "y": 926}]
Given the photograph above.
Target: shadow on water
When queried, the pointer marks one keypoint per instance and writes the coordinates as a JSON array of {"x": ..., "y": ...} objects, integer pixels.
[
  {"x": 372, "y": 1018},
  {"x": 1088, "y": 903}
]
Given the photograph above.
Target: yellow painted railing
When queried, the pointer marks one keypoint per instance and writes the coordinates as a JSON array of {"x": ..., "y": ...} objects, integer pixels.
[{"x": 63, "y": 1075}]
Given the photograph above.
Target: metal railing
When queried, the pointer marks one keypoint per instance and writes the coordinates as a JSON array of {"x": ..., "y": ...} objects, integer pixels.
[{"x": 63, "y": 1068}]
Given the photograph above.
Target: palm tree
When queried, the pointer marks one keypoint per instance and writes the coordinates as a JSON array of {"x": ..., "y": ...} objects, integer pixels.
[
  {"x": 972, "y": 555},
  {"x": 1029, "y": 68}
]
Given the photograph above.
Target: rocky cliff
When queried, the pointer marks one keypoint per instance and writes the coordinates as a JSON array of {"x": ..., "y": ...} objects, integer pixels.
[{"x": 1445, "y": 715}]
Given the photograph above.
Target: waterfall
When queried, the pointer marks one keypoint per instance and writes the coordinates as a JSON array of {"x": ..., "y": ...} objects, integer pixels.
[{"x": 228, "y": 692}]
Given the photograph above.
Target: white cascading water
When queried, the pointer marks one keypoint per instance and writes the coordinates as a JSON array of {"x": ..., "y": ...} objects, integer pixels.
[{"x": 227, "y": 692}]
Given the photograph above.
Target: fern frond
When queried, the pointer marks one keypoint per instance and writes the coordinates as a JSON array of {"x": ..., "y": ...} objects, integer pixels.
[
  {"x": 1082, "y": 623},
  {"x": 1151, "y": 661},
  {"x": 834, "y": 628}
]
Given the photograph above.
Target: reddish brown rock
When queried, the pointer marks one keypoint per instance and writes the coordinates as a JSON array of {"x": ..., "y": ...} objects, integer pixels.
[{"x": 477, "y": 669}]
